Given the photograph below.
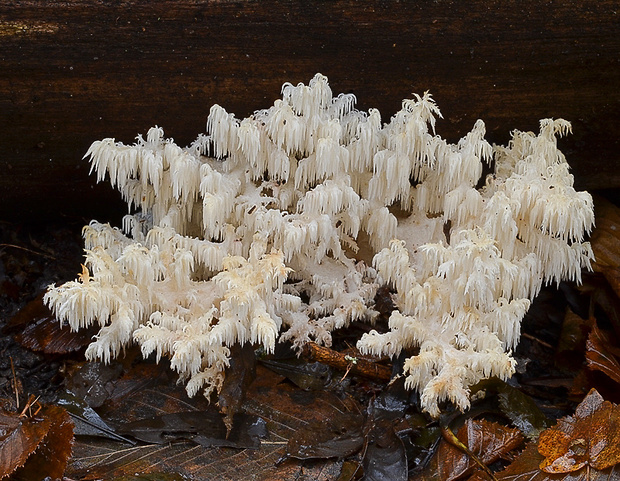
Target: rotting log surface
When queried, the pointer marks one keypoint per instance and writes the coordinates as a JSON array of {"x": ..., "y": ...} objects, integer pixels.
[{"x": 73, "y": 72}]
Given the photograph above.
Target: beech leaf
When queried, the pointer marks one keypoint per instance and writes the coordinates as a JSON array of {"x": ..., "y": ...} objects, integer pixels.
[
  {"x": 526, "y": 468},
  {"x": 50, "y": 459},
  {"x": 19, "y": 438},
  {"x": 487, "y": 440},
  {"x": 239, "y": 375},
  {"x": 35, "y": 447},
  {"x": 606, "y": 242},
  {"x": 590, "y": 438},
  {"x": 599, "y": 356},
  {"x": 40, "y": 331},
  {"x": 341, "y": 438}
]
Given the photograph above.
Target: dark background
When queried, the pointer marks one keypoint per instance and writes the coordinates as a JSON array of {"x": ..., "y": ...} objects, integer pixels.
[{"x": 77, "y": 71}]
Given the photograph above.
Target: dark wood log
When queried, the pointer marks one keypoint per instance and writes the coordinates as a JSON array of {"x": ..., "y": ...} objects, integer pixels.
[{"x": 76, "y": 71}]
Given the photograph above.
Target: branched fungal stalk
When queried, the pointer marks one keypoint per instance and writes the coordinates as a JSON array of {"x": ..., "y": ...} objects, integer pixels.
[{"x": 256, "y": 232}]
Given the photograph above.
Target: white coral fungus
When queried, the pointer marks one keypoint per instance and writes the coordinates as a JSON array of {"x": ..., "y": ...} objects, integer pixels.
[{"x": 256, "y": 232}]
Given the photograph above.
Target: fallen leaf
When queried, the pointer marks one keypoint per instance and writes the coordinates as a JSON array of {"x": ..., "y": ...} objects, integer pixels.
[
  {"x": 590, "y": 438},
  {"x": 599, "y": 355},
  {"x": 310, "y": 376},
  {"x": 143, "y": 393},
  {"x": 239, "y": 375},
  {"x": 37, "y": 446},
  {"x": 572, "y": 342},
  {"x": 40, "y": 331},
  {"x": 206, "y": 428},
  {"x": 422, "y": 442},
  {"x": 50, "y": 459},
  {"x": 93, "y": 381},
  {"x": 487, "y": 440},
  {"x": 86, "y": 421},
  {"x": 342, "y": 437},
  {"x": 152, "y": 477},
  {"x": 527, "y": 468},
  {"x": 19, "y": 438},
  {"x": 605, "y": 241},
  {"x": 385, "y": 456},
  {"x": 521, "y": 409}
]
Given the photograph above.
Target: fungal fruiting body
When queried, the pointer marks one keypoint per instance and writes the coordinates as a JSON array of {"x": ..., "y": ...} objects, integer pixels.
[{"x": 261, "y": 231}]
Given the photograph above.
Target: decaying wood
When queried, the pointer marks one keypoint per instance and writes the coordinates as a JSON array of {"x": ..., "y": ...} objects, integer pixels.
[
  {"x": 349, "y": 364},
  {"x": 76, "y": 71}
]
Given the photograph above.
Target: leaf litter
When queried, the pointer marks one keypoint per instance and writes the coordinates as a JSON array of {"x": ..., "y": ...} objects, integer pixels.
[{"x": 334, "y": 426}]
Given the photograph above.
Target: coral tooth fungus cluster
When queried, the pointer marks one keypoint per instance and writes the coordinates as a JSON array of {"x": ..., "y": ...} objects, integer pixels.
[{"x": 257, "y": 232}]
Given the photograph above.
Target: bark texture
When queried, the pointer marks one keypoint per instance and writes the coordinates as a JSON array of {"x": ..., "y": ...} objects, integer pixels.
[{"x": 76, "y": 71}]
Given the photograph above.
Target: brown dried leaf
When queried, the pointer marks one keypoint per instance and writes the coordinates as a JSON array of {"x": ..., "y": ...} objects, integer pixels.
[
  {"x": 284, "y": 407},
  {"x": 385, "y": 455},
  {"x": 93, "y": 382},
  {"x": 487, "y": 440},
  {"x": 239, "y": 375},
  {"x": 572, "y": 342},
  {"x": 40, "y": 331},
  {"x": 526, "y": 468},
  {"x": 599, "y": 355},
  {"x": 50, "y": 459},
  {"x": 35, "y": 447},
  {"x": 206, "y": 428},
  {"x": 340, "y": 438},
  {"x": 605, "y": 241},
  {"x": 19, "y": 438},
  {"x": 590, "y": 438}
]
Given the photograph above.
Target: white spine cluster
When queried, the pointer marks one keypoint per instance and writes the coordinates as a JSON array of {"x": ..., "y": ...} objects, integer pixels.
[{"x": 257, "y": 231}]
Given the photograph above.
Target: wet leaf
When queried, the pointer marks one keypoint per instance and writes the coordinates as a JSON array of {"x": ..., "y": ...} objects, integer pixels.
[
  {"x": 86, "y": 420},
  {"x": 424, "y": 439},
  {"x": 310, "y": 376},
  {"x": 206, "y": 428},
  {"x": 572, "y": 342},
  {"x": 385, "y": 456},
  {"x": 285, "y": 408},
  {"x": 19, "y": 438},
  {"x": 350, "y": 471},
  {"x": 527, "y": 468},
  {"x": 522, "y": 411},
  {"x": 33, "y": 447},
  {"x": 137, "y": 382},
  {"x": 39, "y": 330},
  {"x": 147, "y": 391},
  {"x": 600, "y": 356},
  {"x": 342, "y": 437},
  {"x": 239, "y": 375},
  {"x": 517, "y": 406},
  {"x": 486, "y": 440},
  {"x": 50, "y": 458},
  {"x": 152, "y": 477},
  {"x": 589, "y": 438},
  {"x": 93, "y": 381}
]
